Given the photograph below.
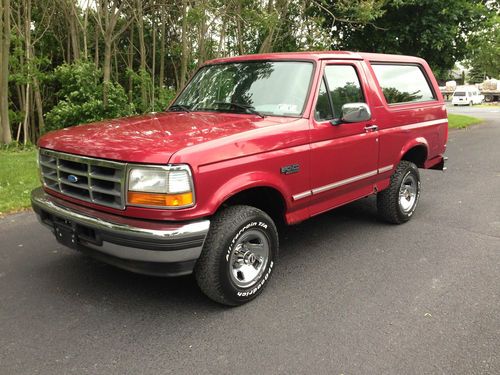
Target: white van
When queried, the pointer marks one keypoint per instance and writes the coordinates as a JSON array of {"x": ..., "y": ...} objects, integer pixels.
[{"x": 467, "y": 95}]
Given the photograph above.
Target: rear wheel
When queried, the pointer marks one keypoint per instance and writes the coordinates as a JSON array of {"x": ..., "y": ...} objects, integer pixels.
[
  {"x": 238, "y": 256},
  {"x": 397, "y": 203}
]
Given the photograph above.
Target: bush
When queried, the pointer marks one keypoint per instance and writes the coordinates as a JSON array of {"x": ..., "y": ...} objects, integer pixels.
[{"x": 81, "y": 97}]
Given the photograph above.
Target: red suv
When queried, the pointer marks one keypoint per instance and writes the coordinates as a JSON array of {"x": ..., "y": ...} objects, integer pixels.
[{"x": 251, "y": 142}]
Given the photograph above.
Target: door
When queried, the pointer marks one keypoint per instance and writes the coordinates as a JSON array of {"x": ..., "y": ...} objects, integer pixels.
[{"x": 344, "y": 157}]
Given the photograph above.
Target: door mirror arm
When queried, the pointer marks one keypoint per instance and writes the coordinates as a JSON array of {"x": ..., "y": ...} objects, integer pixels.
[{"x": 337, "y": 121}]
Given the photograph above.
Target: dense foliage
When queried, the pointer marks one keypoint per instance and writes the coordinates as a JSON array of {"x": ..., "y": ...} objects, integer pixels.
[
  {"x": 80, "y": 97},
  {"x": 65, "y": 62}
]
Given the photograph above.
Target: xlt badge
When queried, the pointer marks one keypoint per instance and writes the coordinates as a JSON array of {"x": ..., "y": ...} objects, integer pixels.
[{"x": 289, "y": 169}]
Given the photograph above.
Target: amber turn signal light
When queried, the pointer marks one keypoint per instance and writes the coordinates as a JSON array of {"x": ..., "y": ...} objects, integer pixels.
[{"x": 160, "y": 200}]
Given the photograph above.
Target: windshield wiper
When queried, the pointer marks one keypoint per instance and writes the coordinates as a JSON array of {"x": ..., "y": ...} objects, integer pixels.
[
  {"x": 176, "y": 107},
  {"x": 247, "y": 107}
]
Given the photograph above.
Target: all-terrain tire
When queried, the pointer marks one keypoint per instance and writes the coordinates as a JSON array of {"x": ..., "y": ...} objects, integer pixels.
[
  {"x": 216, "y": 270},
  {"x": 396, "y": 204}
]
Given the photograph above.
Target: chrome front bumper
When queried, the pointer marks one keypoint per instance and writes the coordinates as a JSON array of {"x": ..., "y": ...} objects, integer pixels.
[{"x": 149, "y": 247}]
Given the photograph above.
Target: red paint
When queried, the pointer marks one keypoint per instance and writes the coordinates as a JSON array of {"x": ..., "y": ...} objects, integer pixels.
[
  {"x": 152, "y": 138},
  {"x": 229, "y": 153}
]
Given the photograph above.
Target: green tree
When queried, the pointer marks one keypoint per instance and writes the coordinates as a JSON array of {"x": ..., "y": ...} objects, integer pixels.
[
  {"x": 81, "y": 88},
  {"x": 484, "y": 48},
  {"x": 436, "y": 30}
]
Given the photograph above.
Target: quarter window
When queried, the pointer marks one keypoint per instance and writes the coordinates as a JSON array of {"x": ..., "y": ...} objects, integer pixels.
[
  {"x": 323, "y": 107},
  {"x": 403, "y": 83}
]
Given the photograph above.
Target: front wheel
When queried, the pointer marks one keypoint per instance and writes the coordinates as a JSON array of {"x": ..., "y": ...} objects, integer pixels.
[
  {"x": 238, "y": 256},
  {"x": 399, "y": 201}
]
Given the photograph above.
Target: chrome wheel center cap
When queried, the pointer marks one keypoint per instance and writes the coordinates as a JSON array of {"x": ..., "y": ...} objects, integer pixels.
[
  {"x": 249, "y": 258},
  {"x": 407, "y": 194}
]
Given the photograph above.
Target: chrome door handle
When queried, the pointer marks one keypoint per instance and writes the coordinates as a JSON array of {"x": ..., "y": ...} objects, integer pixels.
[{"x": 371, "y": 128}]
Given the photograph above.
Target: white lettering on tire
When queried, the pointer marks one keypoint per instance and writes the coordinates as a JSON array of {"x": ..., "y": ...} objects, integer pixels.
[{"x": 259, "y": 285}]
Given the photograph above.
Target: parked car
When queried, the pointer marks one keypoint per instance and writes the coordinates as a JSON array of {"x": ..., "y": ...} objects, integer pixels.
[
  {"x": 250, "y": 143},
  {"x": 467, "y": 95}
]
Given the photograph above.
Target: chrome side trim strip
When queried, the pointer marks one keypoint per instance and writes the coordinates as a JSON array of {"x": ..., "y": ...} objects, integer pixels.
[
  {"x": 385, "y": 169},
  {"x": 305, "y": 194},
  {"x": 344, "y": 182},
  {"x": 425, "y": 123},
  {"x": 321, "y": 189}
]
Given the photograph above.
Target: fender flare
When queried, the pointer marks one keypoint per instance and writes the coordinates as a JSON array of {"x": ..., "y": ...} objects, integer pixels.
[
  {"x": 416, "y": 142},
  {"x": 249, "y": 180}
]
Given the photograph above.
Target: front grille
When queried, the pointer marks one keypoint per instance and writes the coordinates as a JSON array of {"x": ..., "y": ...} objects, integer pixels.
[{"x": 93, "y": 180}]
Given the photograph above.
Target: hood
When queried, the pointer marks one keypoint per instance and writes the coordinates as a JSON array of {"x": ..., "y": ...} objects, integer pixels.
[{"x": 152, "y": 138}]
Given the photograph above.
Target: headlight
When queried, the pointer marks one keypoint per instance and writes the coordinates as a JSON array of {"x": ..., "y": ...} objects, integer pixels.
[{"x": 170, "y": 187}]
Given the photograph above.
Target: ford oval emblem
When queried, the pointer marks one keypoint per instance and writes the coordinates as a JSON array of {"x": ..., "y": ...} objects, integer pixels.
[{"x": 72, "y": 178}]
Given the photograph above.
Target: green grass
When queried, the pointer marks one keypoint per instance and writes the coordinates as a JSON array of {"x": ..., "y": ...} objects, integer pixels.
[
  {"x": 461, "y": 121},
  {"x": 18, "y": 176}
]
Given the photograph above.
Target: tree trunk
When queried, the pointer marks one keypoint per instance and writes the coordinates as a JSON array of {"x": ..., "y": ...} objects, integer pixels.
[
  {"x": 115, "y": 57},
  {"x": 38, "y": 101},
  {"x": 130, "y": 65},
  {"x": 75, "y": 41},
  {"x": 26, "y": 114},
  {"x": 96, "y": 56},
  {"x": 239, "y": 34},
  {"x": 27, "y": 41},
  {"x": 222, "y": 37},
  {"x": 202, "y": 56},
  {"x": 5, "y": 131},
  {"x": 32, "y": 129},
  {"x": 153, "y": 64},
  {"x": 85, "y": 26},
  {"x": 39, "y": 105},
  {"x": 68, "y": 50},
  {"x": 184, "y": 51},
  {"x": 280, "y": 8},
  {"x": 176, "y": 73},
  {"x": 142, "y": 50},
  {"x": 162, "y": 47},
  {"x": 267, "y": 43},
  {"x": 106, "y": 69}
]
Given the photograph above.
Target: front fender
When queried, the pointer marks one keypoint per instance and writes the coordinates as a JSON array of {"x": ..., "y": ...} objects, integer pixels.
[{"x": 251, "y": 180}]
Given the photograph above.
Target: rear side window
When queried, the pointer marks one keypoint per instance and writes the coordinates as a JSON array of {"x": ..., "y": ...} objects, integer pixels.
[{"x": 403, "y": 83}]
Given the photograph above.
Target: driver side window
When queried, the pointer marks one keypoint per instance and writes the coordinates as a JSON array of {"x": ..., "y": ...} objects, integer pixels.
[{"x": 344, "y": 87}]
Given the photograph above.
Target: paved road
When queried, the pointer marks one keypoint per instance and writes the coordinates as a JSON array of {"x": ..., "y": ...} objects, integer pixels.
[
  {"x": 351, "y": 295},
  {"x": 487, "y": 113}
]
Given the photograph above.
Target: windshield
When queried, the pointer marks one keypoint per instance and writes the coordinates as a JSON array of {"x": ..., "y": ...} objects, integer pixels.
[
  {"x": 263, "y": 87},
  {"x": 459, "y": 93}
]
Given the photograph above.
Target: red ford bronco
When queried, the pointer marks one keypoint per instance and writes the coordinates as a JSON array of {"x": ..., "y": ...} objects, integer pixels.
[{"x": 250, "y": 142}]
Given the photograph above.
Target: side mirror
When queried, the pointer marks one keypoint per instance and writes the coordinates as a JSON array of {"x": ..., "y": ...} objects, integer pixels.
[{"x": 353, "y": 112}]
